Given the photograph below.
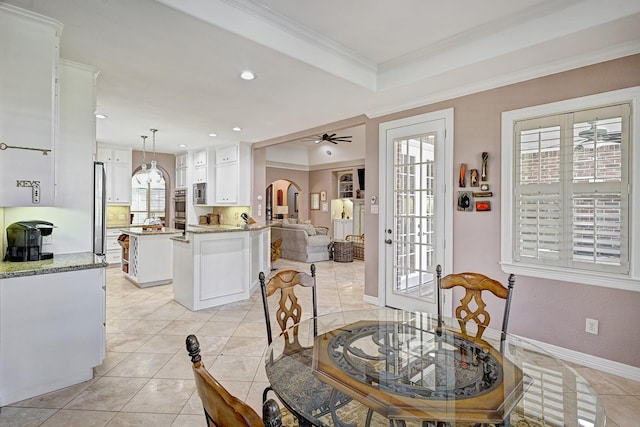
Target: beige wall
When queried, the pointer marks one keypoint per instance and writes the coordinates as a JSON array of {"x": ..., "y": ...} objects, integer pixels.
[{"x": 546, "y": 310}]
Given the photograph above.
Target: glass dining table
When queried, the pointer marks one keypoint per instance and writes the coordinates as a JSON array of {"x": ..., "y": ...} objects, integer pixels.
[{"x": 387, "y": 367}]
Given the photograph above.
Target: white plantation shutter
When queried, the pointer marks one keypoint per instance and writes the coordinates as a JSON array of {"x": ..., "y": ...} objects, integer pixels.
[{"x": 571, "y": 190}]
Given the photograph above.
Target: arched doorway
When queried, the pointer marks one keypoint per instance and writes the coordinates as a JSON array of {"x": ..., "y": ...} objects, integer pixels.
[{"x": 282, "y": 200}]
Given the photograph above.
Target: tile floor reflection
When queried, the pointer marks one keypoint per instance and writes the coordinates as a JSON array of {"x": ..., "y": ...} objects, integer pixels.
[{"x": 146, "y": 378}]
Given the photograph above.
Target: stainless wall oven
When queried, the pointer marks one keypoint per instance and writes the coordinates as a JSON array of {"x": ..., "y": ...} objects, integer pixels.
[{"x": 180, "y": 209}]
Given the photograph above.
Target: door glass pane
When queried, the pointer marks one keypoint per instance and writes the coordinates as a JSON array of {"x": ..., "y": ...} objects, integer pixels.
[{"x": 413, "y": 216}]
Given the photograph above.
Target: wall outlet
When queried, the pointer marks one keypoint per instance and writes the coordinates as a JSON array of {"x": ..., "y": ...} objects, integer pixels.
[{"x": 591, "y": 326}]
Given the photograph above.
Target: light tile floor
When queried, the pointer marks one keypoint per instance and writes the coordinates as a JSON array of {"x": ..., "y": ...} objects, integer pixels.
[{"x": 146, "y": 378}]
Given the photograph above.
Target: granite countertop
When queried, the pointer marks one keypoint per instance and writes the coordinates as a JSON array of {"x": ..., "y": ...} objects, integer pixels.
[
  {"x": 58, "y": 264},
  {"x": 223, "y": 228},
  {"x": 138, "y": 231},
  {"x": 217, "y": 228}
]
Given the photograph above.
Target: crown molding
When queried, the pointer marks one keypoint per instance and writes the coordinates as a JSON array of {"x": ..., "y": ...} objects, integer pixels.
[{"x": 259, "y": 24}]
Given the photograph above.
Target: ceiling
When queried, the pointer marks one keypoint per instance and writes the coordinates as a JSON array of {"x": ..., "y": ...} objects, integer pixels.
[{"x": 174, "y": 64}]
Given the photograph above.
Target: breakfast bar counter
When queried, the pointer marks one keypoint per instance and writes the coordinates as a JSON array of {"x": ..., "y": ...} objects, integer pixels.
[{"x": 219, "y": 264}]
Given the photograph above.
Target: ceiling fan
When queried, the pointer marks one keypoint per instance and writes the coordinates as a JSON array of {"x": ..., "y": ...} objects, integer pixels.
[{"x": 333, "y": 138}]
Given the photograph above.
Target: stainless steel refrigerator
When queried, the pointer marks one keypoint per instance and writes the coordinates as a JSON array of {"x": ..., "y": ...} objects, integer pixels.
[{"x": 99, "y": 208}]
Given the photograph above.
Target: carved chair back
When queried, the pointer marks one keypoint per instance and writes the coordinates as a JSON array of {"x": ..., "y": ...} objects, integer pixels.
[
  {"x": 472, "y": 307},
  {"x": 275, "y": 250},
  {"x": 289, "y": 311},
  {"x": 221, "y": 409}
]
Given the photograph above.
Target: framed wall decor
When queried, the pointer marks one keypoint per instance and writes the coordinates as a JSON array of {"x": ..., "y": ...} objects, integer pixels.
[
  {"x": 465, "y": 201},
  {"x": 323, "y": 196},
  {"x": 315, "y": 201}
]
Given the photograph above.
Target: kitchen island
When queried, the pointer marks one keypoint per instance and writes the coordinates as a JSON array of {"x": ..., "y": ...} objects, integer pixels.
[
  {"x": 52, "y": 323},
  {"x": 219, "y": 264},
  {"x": 146, "y": 258}
]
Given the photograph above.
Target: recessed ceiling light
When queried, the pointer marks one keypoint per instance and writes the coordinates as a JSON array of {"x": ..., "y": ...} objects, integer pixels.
[
  {"x": 101, "y": 116},
  {"x": 247, "y": 75},
  {"x": 237, "y": 129},
  {"x": 182, "y": 145},
  {"x": 213, "y": 134}
]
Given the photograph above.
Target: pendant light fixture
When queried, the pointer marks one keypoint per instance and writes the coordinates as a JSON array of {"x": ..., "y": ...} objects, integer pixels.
[
  {"x": 142, "y": 176},
  {"x": 155, "y": 176}
]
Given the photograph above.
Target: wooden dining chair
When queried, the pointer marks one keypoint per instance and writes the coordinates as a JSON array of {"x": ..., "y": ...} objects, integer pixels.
[
  {"x": 472, "y": 307},
  {"x": 289, "y": 311},
  {"x": 221, "y": 409}
]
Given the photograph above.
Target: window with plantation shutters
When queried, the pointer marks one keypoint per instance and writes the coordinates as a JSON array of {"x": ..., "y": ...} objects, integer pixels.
[
  {"x": 571, "y": 189},
  {"x": 569, "y": 192}
]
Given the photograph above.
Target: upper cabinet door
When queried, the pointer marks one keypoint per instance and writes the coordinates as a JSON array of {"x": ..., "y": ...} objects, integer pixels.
[
  {"x": 28, "y": 106},
  {"x": 227, "y": 154}
]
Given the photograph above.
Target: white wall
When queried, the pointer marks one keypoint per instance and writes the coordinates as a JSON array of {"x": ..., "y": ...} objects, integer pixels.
[{"x": 75, "y": 152}]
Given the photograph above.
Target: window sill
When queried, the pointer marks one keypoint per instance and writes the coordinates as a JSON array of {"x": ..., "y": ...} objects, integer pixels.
[{"x": 605, "y": 280}]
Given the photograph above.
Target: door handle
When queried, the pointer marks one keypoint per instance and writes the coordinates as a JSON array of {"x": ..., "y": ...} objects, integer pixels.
[{"x": 388, "y": 241}]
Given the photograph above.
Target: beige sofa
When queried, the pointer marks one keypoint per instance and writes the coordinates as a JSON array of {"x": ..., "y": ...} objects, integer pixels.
[{"x": 302, "y": 242}]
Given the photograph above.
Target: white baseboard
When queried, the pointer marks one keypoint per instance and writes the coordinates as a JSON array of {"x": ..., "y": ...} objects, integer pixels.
[
  {"x": 371, "y": 300},
  {"x": 594, "y": 362}
]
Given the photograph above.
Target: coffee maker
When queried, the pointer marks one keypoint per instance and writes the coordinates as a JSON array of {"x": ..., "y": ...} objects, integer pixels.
[{"x": 24, "y": 241}]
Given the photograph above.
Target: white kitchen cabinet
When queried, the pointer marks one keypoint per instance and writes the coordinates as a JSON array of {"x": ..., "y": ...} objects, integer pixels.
[
  {"x": 342, "y": 228},
  {"x": 52, "y": 329},
  {"x": 181, "y": 177},
  {"x": 182, "y": 163},
  {"x": 200, "y": 158},
  {"x": 227, "y": 181},
  {"x": 182, "y": 160},
  {"x": 227, "y": 154},
  {"x": 219, "y": 267},
  {"x": 232, "y": 175},
  {"x": 29, "y": 106},
  {"x": 114, "y": 155},
  {"x": 118, "y": 170},
  {"x": 113, "y": 250},
  {"x": 200, "y": 174}
]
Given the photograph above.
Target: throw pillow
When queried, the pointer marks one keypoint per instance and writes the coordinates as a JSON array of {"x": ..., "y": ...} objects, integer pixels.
[
  {"x": 310, "y": 229},
  {"x": 304, "y": 221},
  {"x": 322, "y": 231},
  {"x": 285, "y": 221}
]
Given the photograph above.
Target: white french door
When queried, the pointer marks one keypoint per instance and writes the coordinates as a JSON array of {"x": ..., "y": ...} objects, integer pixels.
[{"x": 416, "y": 207}]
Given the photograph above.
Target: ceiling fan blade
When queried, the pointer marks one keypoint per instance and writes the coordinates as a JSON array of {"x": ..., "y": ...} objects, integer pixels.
[
  {"x": 331, "y": 136},
  {"x": 333, "y": 141},
  {"x": 312, "y": 138}
]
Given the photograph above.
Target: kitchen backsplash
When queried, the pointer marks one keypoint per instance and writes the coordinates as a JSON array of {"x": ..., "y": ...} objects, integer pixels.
[
  {"x": 118, "y": 216},
  {"x": 231, "y": 214}
]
